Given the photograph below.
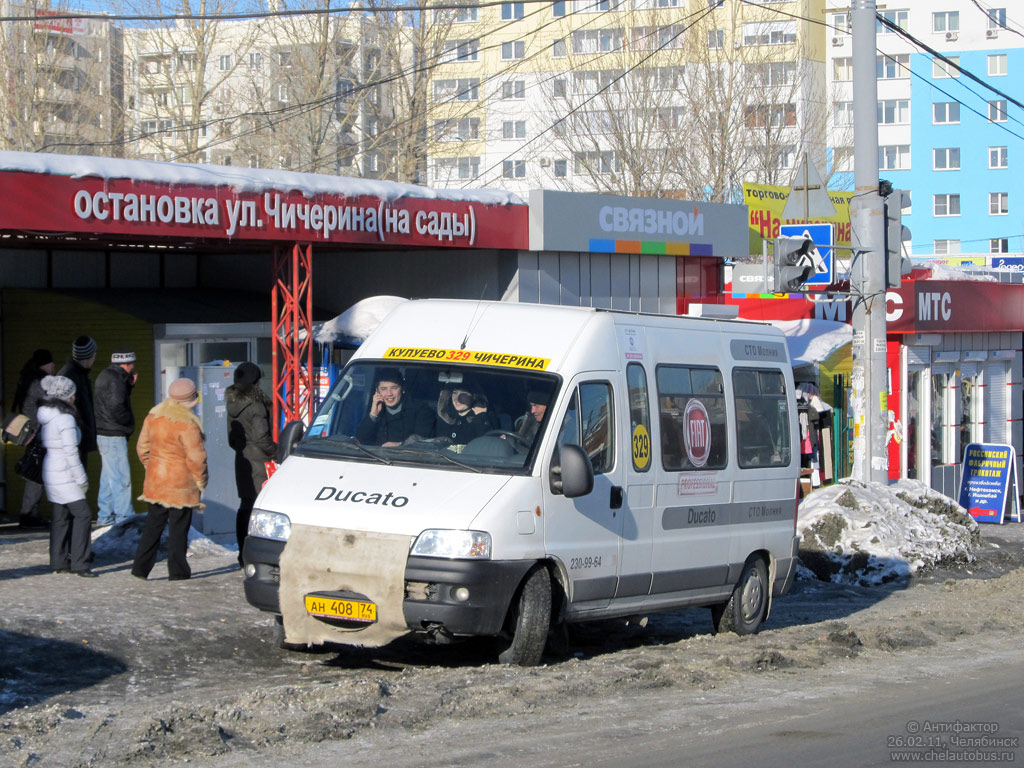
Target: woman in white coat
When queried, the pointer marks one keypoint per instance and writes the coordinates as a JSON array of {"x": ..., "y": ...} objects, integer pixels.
[{"x": 64, "y": 478}]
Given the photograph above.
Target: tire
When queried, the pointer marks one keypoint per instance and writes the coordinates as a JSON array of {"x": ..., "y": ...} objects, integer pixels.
[
  {"x": 746, "y": 608},
  {"x": 529, "y": 617}
]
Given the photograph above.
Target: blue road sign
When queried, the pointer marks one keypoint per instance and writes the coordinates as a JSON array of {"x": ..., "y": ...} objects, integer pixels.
[{"x": 821, "y": 260}]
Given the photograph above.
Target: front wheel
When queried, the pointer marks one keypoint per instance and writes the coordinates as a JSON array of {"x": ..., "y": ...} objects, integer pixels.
[
  {"x": 525, "y": 633},
  {"x": 748, "y": 604}
]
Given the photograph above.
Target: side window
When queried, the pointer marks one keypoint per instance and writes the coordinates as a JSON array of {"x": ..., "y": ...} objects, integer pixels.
[
  {"x": 691, "y": 405},
  {"x": 588, "y": 423},
  {"x": 639, "y": 416},
  {"x": 762, "y": 418}
]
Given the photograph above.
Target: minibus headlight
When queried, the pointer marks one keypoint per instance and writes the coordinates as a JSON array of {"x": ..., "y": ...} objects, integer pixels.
[
  {"x": 435, "y": 542},
  {"x": 269, "y": 525}
]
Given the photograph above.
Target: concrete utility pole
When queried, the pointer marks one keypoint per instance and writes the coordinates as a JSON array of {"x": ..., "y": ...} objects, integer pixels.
[{"x": 867, "y": 219}]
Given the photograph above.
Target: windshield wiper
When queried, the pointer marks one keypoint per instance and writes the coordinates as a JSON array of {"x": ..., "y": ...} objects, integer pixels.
[
  {"x": 444, "y": 453},
  {"x": 346, "y": 440}
]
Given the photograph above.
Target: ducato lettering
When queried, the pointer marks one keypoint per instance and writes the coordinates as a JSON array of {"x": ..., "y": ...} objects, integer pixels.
[
  {"x": 700, "y": 516},
  {"x": 330, "y": 493}
]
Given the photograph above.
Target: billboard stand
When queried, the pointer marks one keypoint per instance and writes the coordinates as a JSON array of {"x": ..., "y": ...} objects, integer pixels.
[{"x": 988, "y": 483}]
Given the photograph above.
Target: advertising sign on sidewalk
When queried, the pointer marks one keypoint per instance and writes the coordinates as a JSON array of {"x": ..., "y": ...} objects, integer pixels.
[{"x": 988, "y": 484}]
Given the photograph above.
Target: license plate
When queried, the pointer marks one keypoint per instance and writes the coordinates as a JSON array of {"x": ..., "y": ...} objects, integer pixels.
[{"x": 352, "y": 610}]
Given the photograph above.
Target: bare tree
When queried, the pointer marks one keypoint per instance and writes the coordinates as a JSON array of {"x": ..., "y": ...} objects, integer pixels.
[{"x": 62, "y": 79}]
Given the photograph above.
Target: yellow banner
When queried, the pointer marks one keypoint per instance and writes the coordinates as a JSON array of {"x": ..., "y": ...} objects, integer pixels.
[
  {"x": 468, "y": 356},
  {"x": 764, "y": 207}
]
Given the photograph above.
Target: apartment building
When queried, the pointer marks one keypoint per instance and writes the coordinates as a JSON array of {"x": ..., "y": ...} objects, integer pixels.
[
  {"x": 642, "y": 97},
  {"x": 293, "y": 92},
  {"x": 948, "y": 129},
  {"x": 63, "y": 89}
]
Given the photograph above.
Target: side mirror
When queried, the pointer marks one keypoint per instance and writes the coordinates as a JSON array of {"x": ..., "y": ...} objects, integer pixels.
[
  {"x": 290, "y": 435},
  {"x": 574, "y": 477}
]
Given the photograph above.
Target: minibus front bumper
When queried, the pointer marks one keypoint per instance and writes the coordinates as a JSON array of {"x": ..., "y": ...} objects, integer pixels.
[{"x": 442, "y": 597}]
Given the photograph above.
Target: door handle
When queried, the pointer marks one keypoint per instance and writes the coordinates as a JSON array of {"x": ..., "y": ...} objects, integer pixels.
[{"x": 615, "y": 502}]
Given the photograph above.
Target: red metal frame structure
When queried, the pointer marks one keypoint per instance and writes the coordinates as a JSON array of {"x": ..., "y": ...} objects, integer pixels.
[{"x": 292, "y": 340}]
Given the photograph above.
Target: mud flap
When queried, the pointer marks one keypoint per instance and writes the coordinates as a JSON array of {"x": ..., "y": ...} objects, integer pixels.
[{"x": 328, "y": 559}]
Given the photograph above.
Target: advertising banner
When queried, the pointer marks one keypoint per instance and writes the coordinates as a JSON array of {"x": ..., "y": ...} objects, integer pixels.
[
  {"x": 988, "y": 483},
  {"x": 765, "y": 203}
]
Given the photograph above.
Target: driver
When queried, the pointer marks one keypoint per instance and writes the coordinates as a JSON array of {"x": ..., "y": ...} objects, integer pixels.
[
  {"x": 538, "y": 401},
  {"x": 393, "y": 417}
]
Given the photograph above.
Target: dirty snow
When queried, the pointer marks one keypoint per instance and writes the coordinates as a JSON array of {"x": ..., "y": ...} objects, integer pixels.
[
  {"x": 869, "y": 533},
  {"x": 119, "y": 542}
]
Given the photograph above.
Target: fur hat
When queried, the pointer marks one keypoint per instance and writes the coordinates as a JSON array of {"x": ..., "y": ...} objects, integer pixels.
[
  {"x": 41, "y": 357},
  {"x": 83, "y": 348},
  {"x": 58, "y": 387},
  {"x": 183, "y": 392},
  {"x": 247, "y": 374},
  {"x": 122, "y": 356}
]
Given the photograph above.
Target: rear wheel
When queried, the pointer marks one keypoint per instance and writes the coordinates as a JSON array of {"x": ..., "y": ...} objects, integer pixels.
[
  {"x": 529, "y": 617},
  {"x": 748, "y": 604}
]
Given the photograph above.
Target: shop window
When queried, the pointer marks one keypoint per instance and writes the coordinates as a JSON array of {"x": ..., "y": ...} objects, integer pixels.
[
  {"x": 639, "y": 416},
  {"x": 691, "y": 405},
  {"x": 588, "y": 423},
  {"x": 970, "y": 408},
  {"x": 762, "y": 418},
  {"x": 913, "y": 420},
  {"x": 941, "y": 437}
]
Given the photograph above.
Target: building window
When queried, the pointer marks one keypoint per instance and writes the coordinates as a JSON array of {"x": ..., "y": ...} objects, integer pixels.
[
  {"x": 463, "y": 89},
  {"x": 997, "y": 65},
  {"x": 513, "y": 50},
  {"x": 716, "y": 39},
  {"x": 998, "y": 203},
  {"x": 447, "y": 168},
  {"x": 255, "y": 60},
  {"x": 946, "y": 159},
  {"x": 769, "y": 33},
  {"x": 600, "y": 163},
  {"x": 946, "y": 205},
  {"x": 561, "y": 169},
  {"x": 558, "y": 48},
  {"x": 997, "y": 157},
  {"x": 842, "y": 69},
  {"x": 464, "y": 15},
  {"x": 513, "y": 129},
  {"x": 894, "y": 157},
  {"x": 224, "y": 63},
  {"x": 997, "y": 18},
  {"x": 897, "y": 18},
  {"x": 558, "y": 88},
  {"x": 999, "y": 245},
  {"x": 597, "y": 41},
  {"x": 461, "y": 50},
  {"x": 513, "y": 169},
  {"x": 894, "y": 111},
  {"x": 946, "y": 21},
  {"x": 997, "y": 111},
  {"x": 511, "y": 11},
  {"x": 843, "y": 113},
  {"x": 842, "y": 23},
  {"x": 948, "y": 67},
  {"x": 513, "y": 89},
  {"x": 284, "y": 59},
  {"x": 457, "y": 129},
  {"x": 769, "y": 115},
  {"x": 558, "y": 9},
  {"x": 946, "y": 112},
  {"x": 895, "y": 67},
  {"x": 946, "y": 247}
]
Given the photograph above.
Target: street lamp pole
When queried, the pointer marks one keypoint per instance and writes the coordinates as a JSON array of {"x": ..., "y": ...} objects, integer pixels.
[{"x": 870, "y": 376}]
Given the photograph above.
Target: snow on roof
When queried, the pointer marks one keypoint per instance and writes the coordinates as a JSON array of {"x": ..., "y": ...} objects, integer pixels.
[
  {"x": 966, "y": 272},
  {"x": 811, "y": 341},
  {"x": 241, "y": 179},
  {"x": 357, "y": 322}
]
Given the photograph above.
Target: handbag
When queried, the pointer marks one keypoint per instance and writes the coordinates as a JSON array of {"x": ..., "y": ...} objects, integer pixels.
[
  {"x": 30, "y": 465},
  {"x": 19, "y": 429}
]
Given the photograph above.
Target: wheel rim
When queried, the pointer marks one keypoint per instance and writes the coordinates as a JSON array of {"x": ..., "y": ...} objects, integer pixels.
[{"x": 752, "y": 598}]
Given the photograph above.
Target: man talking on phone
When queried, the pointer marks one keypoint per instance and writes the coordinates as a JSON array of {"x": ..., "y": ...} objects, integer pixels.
[{"x": 393, "y": 417}]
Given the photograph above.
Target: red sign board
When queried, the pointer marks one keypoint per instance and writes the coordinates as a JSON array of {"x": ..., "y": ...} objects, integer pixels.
[{"x": 40, "y": 202}]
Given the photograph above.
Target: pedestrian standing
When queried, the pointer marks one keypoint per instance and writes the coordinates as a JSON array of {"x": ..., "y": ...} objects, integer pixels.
[
  {"x": 83, "y": 355},
  {"x": 171, "y": 449},
  {"x": 64, "y": 478},
  {"x": 27, "y": 394},
  {"x": 115, "y": 423},
  {"x": 249, "y": 419}
]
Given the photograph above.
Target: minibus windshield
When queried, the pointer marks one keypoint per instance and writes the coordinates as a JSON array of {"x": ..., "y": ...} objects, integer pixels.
[{"x": 467, "y": 418}]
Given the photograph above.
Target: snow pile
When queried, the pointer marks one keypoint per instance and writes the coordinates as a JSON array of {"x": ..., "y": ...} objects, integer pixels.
[
  {"x": 868, "y": 533},
  {"x": 119, "y": 542},
  {"x": 357, "y": 322}
]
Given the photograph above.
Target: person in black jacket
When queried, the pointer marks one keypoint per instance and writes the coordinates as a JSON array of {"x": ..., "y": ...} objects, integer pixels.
[
  {"x": 27, "y": 394},
  {"x": 393, "y": 417},
  {"x": 115, "y": 423},
  {"x": 462, "y": 413},
  {"x": 83, "y": 355},
  {"x": 249, "y": 418}
]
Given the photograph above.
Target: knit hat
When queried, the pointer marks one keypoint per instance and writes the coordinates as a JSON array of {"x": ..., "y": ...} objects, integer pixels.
[
  {"x": 58, "y": 387},
  {"x": 41, "y": 357},
  {"x": 537, "y": 397},
  {"x": 83, "y": 348},
  {"x": 183, "y": 392},
  {"x": 122, "y": 356},
  {"x": 391, "y": 374},
  {"x": 247, "y": 374}
]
